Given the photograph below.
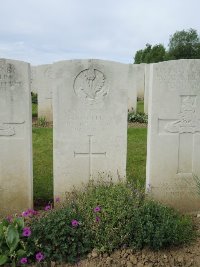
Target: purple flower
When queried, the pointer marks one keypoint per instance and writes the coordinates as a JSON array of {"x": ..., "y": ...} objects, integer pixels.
[
  {"x": 26, "y": 231},
  {"x": 39, "y": 256},
  {"x": 97, "y": 219},
  {"x": 9, "y": 219},
  {"x": 29, "y": 212},
  {"x": 48, "y": 207},
  {"x": 97, "y": 209},
  {"x": 57, "y": 199},
  {"x": 25, "y": 213},
  {"x": 74, "y": 223},
  {"x": 23, "y": 260},
  {"x": 32, "y": 212}
]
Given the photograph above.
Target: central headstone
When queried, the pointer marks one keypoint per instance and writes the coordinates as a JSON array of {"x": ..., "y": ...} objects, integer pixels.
[{"x": 90, "y": 120}]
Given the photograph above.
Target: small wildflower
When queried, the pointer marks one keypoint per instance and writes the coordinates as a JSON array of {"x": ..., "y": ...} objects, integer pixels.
[
  {"x": 48, "y": 207},
  {"x": 32, "y": 212},
  {"x": 74, "y": 223},
  {"x": 23, "y": 260},
  {"x": 57, "y": 199},
  {"x": 25, "y": 213},
  {"x": 97, "y": 209},
  {"x": 39, "y": 256},
  {"x": 29, "y": 212},
  {"x": 26, "y": 231},
  {"x": 97, "y": 219},
  {"x": 9, "y": 219}
]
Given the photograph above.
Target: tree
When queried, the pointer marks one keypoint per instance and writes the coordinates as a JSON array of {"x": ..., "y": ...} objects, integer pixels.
[
  {"x": 150, "y": 54},
  {"x": 184, "y": 44}
]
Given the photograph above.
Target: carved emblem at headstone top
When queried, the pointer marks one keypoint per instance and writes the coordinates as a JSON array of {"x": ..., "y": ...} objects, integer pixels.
[
  {"x": 7, "y": 73},
  {"x": 90, "y": 84},
  {"x": 188, "y": 121}
]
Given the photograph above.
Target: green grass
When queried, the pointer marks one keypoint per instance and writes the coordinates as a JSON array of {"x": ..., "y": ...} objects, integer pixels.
[
  {"x": 140, "y": 106},
  {"x": 43, "y": 163},
  {"x": 43, "y": 160},
  {"x": 136, "y": 155}
]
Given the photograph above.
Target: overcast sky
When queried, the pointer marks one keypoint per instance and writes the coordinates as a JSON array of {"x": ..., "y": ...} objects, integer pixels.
[{"x": 44, "y": 31}]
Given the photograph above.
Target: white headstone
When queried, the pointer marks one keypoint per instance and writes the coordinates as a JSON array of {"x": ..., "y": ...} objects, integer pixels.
[
  {"x": 174, "y": 134},
  {"x": 15, "y": 137},
  {"x": 90, "y": 121},
  {"x": 42, "y": 80},
  {"x": 147, "y": 84},
  {"x": 139, "y": 70},
  {"x": 132, "y": 90}
]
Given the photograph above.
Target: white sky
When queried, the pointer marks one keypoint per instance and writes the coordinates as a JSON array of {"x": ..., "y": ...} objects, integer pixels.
[{"x": 44, "y": 31}]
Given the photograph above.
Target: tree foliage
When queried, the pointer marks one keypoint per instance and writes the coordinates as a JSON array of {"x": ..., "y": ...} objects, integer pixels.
[
  {"x": 150, "y": 54},
  {"x": 182, "y": 44}
]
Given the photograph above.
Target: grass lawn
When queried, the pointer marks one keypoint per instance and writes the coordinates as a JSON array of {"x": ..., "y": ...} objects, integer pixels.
[
  {"x": 43, "y": 163},
  {"x": 43, "y": 160},
  {"x": 136, "y": 155},
  {"x": 140, "y": 106}
]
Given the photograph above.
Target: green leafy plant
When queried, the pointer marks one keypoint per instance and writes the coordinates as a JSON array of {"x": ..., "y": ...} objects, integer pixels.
[
  {"x": 158, "y": 226},
  {"x": 137, "y": 117},
  {"x": 12, "y": 246},
  {"x": 103, "y": 215},
  {"x": 42, "y": 122},
  {"x": 60, "y": 234},
  {"x": 107, "y": 209}
]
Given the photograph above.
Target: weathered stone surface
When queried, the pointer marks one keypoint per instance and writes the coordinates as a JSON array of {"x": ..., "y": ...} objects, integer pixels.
[
  {"x": 139, "y": 76},
  {"x": 15, "y": 137},
  {"x": 132, "y": 90},
  {"x": 90, "y": 120},
  {"x": 42, "y": 84},
  {"x": 148, "y": 82},
  {"x": 174, "y": 134}
]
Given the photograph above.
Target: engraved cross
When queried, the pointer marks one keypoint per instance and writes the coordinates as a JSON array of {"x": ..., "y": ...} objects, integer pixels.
[
  {"x": 186, "y": 126},
  {"x": 90, "y": 154}
]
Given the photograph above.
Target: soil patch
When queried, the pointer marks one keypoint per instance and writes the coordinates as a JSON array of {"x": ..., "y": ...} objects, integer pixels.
[{"x": 137, "y": 125}]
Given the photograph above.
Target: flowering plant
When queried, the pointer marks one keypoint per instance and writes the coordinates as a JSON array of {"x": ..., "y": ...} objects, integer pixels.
[{"x": 12, "y": 246}]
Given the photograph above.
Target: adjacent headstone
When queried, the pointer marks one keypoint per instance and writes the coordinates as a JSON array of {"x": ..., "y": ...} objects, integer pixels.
[
  {"x": 132, "y": 92},
  {"x": 147, "y": 84},
  {"x": 174, "y": 134},
  {"x": 139, "y": 75},
  {"x": 42, "y": 81},
  {"x": 90, "y": 121},
  {"x": 15, "y": 137}
]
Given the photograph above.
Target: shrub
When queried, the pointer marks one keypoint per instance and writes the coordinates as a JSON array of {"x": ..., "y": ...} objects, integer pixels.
[
  {"x": 108, "y": 209},
  {"x": 158, "y": 226},
  {"x": 137, "y": 117},
  {"x": 102, "y": 215},
  {"x": 60, "y": 234}
]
